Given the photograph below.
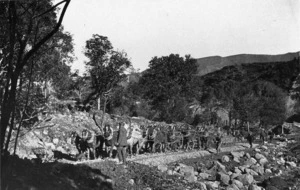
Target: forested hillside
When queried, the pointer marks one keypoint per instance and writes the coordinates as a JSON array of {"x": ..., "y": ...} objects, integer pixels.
[{"x": 210, "y": 64}]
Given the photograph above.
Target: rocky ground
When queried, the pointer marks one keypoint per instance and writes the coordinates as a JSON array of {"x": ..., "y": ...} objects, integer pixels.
[{"x": 273, "y": 166}]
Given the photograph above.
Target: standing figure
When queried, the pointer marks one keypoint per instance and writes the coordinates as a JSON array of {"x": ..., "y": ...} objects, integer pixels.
[
  {"x": 262, "y": 134},
  {"x": 109, "y": 141},
  {"x": 218, "y": 141},
  {"x": 186, "y": 138},
  {"x": 250, "y": 138},
  {"x": 204, "y": 140},
  {"x": 271, "y": 135},
  {"x": 122, "y": 143}
]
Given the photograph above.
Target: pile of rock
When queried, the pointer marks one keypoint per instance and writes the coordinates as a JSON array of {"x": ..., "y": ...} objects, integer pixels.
[
  {"x": 237, "y": 170},
  {"x": 53, "y": 134}
]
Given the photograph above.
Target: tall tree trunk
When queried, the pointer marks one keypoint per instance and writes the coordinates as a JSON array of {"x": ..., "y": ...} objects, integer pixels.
[{"x": 99, "y": 103}]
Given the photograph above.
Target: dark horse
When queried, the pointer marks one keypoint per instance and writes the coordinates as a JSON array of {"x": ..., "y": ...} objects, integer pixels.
[
  {"x": 156, "y": 137},
  {"x": 87, "y": 144}
]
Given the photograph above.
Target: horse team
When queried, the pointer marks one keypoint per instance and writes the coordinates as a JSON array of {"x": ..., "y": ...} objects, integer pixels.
[{"x": 141, "y": 138}]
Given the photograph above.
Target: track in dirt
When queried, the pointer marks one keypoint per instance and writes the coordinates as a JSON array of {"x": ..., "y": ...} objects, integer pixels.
[{"x": 156, "y": 159}]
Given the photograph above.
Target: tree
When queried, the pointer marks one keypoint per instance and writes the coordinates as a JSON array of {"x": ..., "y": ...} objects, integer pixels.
[
  {"x": 25, "y": 28},
  {"x": 167, "y": 83},
  {"x": 106, "y": 68}
]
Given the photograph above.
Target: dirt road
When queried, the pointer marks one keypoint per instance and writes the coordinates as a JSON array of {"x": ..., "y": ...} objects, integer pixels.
[{"x": 156, "y": 159}]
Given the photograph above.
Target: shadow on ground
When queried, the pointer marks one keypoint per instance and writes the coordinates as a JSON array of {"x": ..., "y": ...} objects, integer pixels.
[{"x": 19, "y": 173}]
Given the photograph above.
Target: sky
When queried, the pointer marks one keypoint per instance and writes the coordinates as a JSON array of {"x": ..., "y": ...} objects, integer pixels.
[{"x": 148, "y": 28}]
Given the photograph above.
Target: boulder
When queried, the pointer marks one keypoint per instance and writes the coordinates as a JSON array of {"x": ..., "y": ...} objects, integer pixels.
[
  {"x": 204, "y": 175},
  {"x": 212, "y": 185},
  {"x": 250, "y": 162},
  {"x": 238, "y": 183},
  {"x": 162, "y": 168},
  {"x": 202, "y": 186},
  {"x": 236, "y": 159},
  {"x": 225, "y": 159},
  {"x": 292, "y": 164},
  {"x": 232, "y": 187},
  {"x": 237, "y": 170},
  {"x": 280, "y": 161},
  {"x": 257, "y": 150},
  {"x": 237, "y": 154},
  {"x": 258, "y": 169},
  {"x": 268, "y": 171},
  {"x": 246, "y": 179},
  {"x": 263, "y": 161},
  {"x": 190, "y": 177},
  {"x": 248, "y": 155},
  {"x": 264, "y": 147},
  {"x": 170, "y": 172},
  {"x": 254, "y": 187},
  {"x": 186, "y": 169},
  {"x": 235, "y": 175},
  {"x": 224, "y": 178},
  {"x": 251, "y": 172},
  {"x": 259, "y": 156},
  {"x": 131, "y": 181}
]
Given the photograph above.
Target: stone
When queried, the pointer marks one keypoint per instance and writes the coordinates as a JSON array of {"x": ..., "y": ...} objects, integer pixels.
[
  {"x": 263, "y": 161},
  {"x": 254, "y": 187},
  {"x": 257, "y": 150},
  {"x": 251, "y": 172},
  {"x": 235, "y": 175},
  {"x": 292, "y": 164},
  {"x": 204, "y": 175},
  {"x": 131, "y": 181},
  {"x": 237, "y": 183},
  {"x": 250, "y": 162},
  {"x": 259, "y": 156},
  {"x": 258, "y": 169},
  {"x": 237, "y": 154},
  {"x": 162, "y": 168},
  {"x": 246, "y": 179},
  {"x": 190, "y": 177},
  {"x": 280, "y": 161},
  {"x": 232, "y": 187},
  {"x": 236, "y": 159},
  {"x": 237, "y": 170},
  {"x": 55, "y": 140},
  {"x": 220, "y": 166},
  {"x": 248, "y": 155},
  {"x": 224, "y": 178},
  {"x": 202, "y": 186},
  {"x": 242, "y": 168},
  {"x": 264, "y": 147},
  {"x": 212, "y": 185},
  {"x": 186, "y": 169},
  {"x": 170, "y": 172},
  {"x": 268, "y": 171},
  {"x": 225, "y": 159}
]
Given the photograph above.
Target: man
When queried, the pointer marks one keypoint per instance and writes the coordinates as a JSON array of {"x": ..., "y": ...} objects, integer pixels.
[
  {"x": 204, "y": 139},
  {"x": 250, "y": 138},
  {"x": 122, "y": 143},
  {"x": 108, "y": 135},
  {"x": 218, "y": 142},
  {"x": 186, "y": 138},
  {"x": 262, "y": 134}
]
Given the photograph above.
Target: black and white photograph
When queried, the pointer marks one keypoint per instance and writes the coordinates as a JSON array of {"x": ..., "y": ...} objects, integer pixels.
[{"x": 150, "y": 94}]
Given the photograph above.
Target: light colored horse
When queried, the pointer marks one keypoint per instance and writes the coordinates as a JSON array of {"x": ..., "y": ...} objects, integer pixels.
[{"x": 135, "y": 137}]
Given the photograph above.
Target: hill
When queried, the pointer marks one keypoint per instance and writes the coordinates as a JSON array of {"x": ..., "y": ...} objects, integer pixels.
[{"x": 210, "y": 64}]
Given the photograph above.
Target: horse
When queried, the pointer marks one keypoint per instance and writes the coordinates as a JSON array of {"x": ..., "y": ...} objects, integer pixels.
[
  {"x": 135, "y": 137},
  {"x": 174, "y": 139},
  {"x": 156, "y": 137},
  {"x": 110, "y": 142},
  {"x": 87, "y": 143}
]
